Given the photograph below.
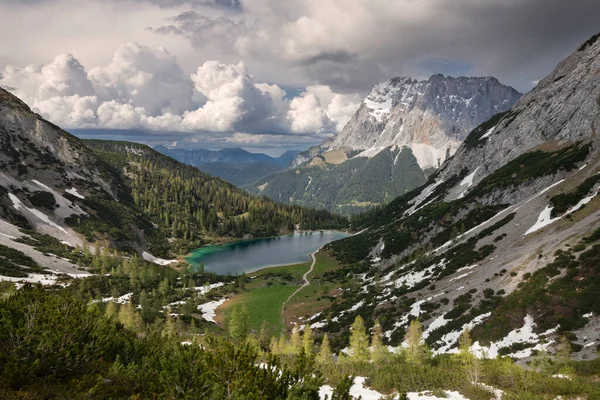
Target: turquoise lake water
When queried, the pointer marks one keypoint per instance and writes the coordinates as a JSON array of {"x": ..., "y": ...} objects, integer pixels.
[{"x": 254, "y": 254}]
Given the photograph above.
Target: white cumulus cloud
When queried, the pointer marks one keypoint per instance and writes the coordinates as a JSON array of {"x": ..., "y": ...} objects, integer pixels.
[{"x": 146, "y": 88}]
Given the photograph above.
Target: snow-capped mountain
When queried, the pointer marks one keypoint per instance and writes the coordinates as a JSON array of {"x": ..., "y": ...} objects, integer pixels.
[{"x": 432, "y": 117}]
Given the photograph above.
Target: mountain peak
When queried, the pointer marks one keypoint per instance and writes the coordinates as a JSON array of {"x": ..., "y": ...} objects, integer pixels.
[{"x": 431, "y": 116}]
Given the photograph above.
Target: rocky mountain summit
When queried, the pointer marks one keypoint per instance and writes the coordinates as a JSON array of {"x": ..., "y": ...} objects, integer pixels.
[
  {"x": 432, "y": 117},
  {"x": 403, "y": 131}
]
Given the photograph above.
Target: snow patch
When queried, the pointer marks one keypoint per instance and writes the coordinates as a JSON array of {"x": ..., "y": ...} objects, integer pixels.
[
  {"x": 40, "y": 215},
  {"x": 451, "y": 338},
  {"x": 488, "y": 133},
  {"x": 74, "y": 192},
  {"x": 545, "y": 217},
  {"x": 159, "y": 261},
  {"x": 207, "y": 288},
  {"x": 524, "y": 334},
  {"x": 209, "y": 309}
]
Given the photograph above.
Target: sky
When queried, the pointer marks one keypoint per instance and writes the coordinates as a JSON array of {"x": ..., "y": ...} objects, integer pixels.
[{"x": 265, "y": 75}]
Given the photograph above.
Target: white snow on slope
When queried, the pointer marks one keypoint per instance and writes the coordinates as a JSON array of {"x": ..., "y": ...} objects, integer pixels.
[
  {"x": 40, "y": 215},
  {"x": 209, "y": 309},
  {"x": 357, "y": 306},
  {"x": 74, "y": 192},
  {"x": 40, "y": 184},
  {"x": 119, "y": 300},
  {"x": 159, "y": 261},
  {"x": 524, "y": 334},
  {"x": 468, "y": 182},
  {"x": 488, "y": 133},
  {"x": 31, "y": 278},
  {"x": 450, "y": 395},
  {"x": 545, "y": 217},
  {"x": 436, "y": 324},
  {"x": 450, "y": 339},
  {"x": 359, "y": 390},
  {"x": 207, "y": 288}
]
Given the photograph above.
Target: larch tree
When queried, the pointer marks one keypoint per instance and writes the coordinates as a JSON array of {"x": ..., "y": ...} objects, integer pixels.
[
  {"x": 379, "y": 350},
  {"x": 359, "y": 341},
  {"x": 325, "y": 357},
  {"x": 111, "y": 309},
  {"x": 308, "y": 341},
  {"x": 416, "y": 350},
  {"x": 238, "y": 324},
  {"x": 471, "y": 365},
  {"x": 295, "y": 345}
]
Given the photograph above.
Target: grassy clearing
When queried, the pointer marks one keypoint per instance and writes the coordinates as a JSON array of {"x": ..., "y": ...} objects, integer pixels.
[
  {"x": 266, "y": 292},
  {"x": 315, "y": 297},
  {"x": 263, "y": 303}
]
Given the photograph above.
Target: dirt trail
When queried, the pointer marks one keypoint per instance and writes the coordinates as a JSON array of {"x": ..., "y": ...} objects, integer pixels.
[{"x": 305, "y": 280}]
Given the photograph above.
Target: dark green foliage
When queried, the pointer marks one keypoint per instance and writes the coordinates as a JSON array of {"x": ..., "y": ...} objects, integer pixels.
[
  {"x": 43, "y": 199},
  {"x": 17, "y": 264},
  {"x": 350, "y": 187},
  {"x": 65, "y": 347},
  {"x": 530, "y": 166},
  {"x": 551, "y": 300},
  {"x": 354, "y": 248},
  {"x": 562, "y": 202},
  {"x": 240, "y": 174},
  {"x": 474, "y": 138}
]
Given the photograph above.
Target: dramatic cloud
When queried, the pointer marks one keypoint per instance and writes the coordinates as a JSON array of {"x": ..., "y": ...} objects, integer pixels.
[
  {"x": 144, "y": 88},
  {"x": 323, "y": 51},
  {"x": 351, "y": 44}
]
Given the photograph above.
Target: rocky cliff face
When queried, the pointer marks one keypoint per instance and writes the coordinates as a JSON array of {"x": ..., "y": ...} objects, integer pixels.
[
  {"x": 563, "y": 109},
  {"x": 432, "y": 117}
]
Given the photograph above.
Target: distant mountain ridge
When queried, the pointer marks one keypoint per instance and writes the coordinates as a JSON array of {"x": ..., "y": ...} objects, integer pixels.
[
  {"x": 234, "y": 165},
  {"x": 228, "y": 155}
]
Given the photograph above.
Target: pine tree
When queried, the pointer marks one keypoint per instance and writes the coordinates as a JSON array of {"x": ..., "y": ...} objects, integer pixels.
[
  {"x": 325, "y": 357},
  {"x": 416, "y": 351},
  {"x": 379, "y": 350},
  {"x": 359, "y": 341},
  {"x": 308, "y": 341}
]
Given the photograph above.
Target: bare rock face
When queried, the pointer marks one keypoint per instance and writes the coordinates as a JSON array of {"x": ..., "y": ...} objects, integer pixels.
[
  {"x": 431, "y": 117},
  {"x": 563, "y": 109}
]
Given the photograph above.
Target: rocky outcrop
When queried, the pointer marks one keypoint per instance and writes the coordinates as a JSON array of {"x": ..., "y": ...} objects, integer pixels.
[
  {"x": 563, "y": 109},
  {"x": 431, "y": 117}
]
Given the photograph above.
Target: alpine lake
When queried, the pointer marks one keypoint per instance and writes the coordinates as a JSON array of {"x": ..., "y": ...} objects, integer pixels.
[{"x": 253, "y": 254}]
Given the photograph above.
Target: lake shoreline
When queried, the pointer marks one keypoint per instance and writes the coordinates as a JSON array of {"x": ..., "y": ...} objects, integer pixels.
[{"x": 252, "y": 255}]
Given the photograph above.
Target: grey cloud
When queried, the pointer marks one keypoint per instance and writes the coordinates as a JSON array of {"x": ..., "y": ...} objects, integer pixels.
[
  {"x": 517, "y": 41},
  {"x": 336, "y": 57}
]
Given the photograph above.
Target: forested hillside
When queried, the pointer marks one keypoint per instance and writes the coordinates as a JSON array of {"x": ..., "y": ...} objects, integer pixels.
[{"x": 193, "y": 208}]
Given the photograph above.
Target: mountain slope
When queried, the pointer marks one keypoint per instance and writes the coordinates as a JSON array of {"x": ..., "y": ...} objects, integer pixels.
[
  {"x": 54, "y": 188},
  {"x": 503, "y": 240},
  {"x": 348, "y": 187}
]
